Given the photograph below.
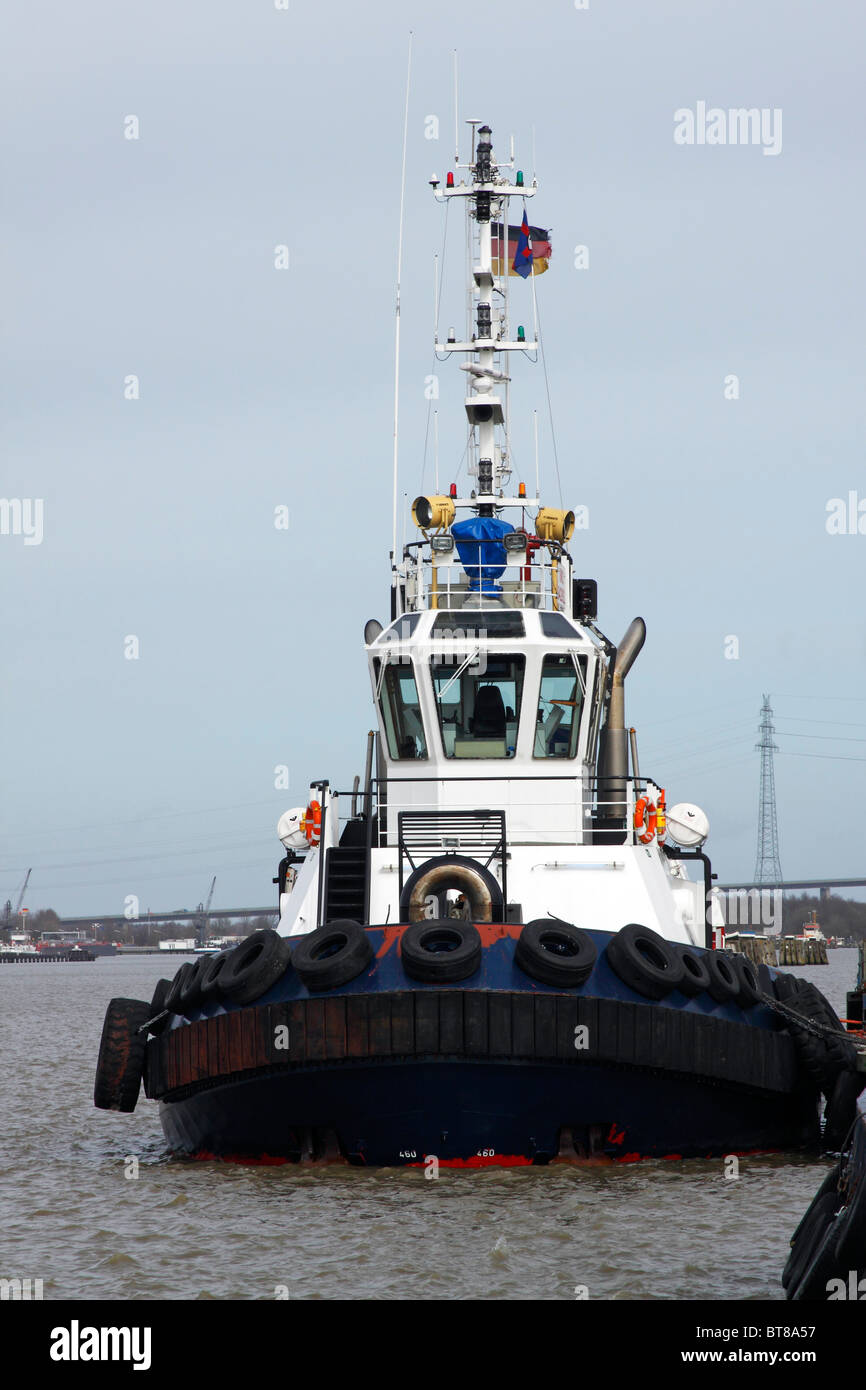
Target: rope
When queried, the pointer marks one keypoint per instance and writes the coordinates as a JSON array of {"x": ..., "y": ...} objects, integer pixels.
[{"x": 809, "y": 1025}]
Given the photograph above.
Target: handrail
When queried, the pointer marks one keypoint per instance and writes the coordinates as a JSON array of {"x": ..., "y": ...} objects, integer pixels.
[{"x": 530, "y": 583}]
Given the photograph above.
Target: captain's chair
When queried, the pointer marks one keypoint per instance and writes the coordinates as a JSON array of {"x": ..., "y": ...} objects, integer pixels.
[{"x": 489, "y": 718}]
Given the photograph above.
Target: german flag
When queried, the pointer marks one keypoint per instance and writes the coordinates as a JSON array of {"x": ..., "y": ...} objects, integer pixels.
[{"x": 539, "y": 240}]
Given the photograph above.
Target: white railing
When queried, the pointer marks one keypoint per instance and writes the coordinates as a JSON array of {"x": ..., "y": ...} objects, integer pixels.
[{"x": 535, "y": 584}]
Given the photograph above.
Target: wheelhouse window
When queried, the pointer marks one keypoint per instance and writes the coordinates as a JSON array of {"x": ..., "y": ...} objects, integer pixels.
[
  {"x": 478, "y": 701},
  {"x": 560, "y": 704},
  {"x": 397, "y": 692}
]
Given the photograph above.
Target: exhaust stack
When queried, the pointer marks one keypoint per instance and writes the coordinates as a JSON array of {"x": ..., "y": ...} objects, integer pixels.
[{"x": 613, "y": 754}]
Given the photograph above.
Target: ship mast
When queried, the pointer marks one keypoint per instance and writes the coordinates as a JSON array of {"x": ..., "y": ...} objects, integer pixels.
[{"x": 489, "y": 193}]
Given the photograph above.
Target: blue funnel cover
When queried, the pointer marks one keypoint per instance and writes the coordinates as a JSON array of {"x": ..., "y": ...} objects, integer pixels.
[{"x": 482, "y": 554}]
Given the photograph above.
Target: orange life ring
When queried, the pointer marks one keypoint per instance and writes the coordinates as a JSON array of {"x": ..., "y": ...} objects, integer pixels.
[
  {"x": 645, "y": 815},
  {"x": 311, "y": 822}
]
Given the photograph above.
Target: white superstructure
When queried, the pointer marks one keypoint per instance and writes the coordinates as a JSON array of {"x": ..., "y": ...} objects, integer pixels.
[{"x": 503, "y": 785}]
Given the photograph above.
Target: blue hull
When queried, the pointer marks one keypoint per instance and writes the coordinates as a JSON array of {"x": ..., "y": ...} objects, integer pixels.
[
  {"x": 388, "y": 1071},
  {"x": 473, "y": 1114}
]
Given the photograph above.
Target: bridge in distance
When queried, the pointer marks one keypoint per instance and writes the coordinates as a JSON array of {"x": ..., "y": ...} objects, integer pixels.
[
  {"x": 192, "y": 917},
  {"x": 181, "y": 916}
]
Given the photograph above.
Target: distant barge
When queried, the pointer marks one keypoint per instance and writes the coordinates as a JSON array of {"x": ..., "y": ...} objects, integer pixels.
[{"x": 43, "y": 958}]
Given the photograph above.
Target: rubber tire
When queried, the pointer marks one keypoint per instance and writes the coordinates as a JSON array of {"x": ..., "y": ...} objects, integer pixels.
[
  {"x": 120, "y": 1064},
  {"x": 650, "y": 979},
  {"x": 724, "y": 983},
  {"x": 319, "y": 971},
  {"x": 254, "y": 966},
  {"x": 172, "y": 999},
  {"x": 189, "y": 992},
  {"x": 750, "y": 988},
  {"x": 851, "y": 1230},
  {"x": 818, "y": 1215},
  {"x": 209, "y": 981},
  {"x": 696, "y": 976},
  {"x": 158, "y": 1005},
  {"x": 812, "y": 1237},
  {"x": 785, "y": 986},
  {"x": 440, "y": 967},
  {"x": 830, "y": 1184},
  {"x": 841, "y": 1110},
  {"x": 824, "y": 1058},
  {"x": 568, "y": 969}
]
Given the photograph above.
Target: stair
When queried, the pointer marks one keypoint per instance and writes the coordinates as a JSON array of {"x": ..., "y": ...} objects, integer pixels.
[{"x": 345, "y": 883}]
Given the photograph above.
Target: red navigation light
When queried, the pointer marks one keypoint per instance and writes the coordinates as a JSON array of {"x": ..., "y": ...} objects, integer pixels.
[
  {"x": 449, "y": 180},
  {"x": 521, "y": 490},
  {"x": 453, "y": 490}
]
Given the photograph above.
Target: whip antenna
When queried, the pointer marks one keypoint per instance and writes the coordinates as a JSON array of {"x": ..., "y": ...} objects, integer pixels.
[{"x": 397, "y": 313}]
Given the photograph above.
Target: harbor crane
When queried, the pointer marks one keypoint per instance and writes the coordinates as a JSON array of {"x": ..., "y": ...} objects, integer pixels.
[
  {"x": 203, "y": 910},
  {"x": 10, "y": 916}
]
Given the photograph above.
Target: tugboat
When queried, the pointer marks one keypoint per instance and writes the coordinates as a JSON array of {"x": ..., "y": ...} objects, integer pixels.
[{"x": 499, "y": 949}]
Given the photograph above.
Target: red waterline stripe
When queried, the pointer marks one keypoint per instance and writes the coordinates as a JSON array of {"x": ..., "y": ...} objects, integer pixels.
[{"x": 476, "y": 1161}]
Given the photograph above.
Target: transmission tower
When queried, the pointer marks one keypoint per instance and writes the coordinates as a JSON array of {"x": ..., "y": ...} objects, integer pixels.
[{"x": 767, "y": 866}]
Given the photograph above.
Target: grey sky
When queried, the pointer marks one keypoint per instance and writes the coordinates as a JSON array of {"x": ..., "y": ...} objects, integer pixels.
[{"x": 260, "y": 387}]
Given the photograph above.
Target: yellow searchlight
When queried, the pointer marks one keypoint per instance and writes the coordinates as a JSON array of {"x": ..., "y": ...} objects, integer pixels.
[
  {"x": 434, "y": 513},
  {"x": 554, "y": 525}
]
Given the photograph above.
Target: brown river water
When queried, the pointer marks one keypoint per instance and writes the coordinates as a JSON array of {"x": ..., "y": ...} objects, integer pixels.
[{"x": 70, "y": 1215}]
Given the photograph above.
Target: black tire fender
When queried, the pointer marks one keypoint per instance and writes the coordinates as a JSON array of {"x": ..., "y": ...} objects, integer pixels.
[
  {"x": 696, "y": 976},
  {"x": 189, "y": 991},
  {"x": 644, "y": 961},
  {"x": 441, "y": 950},
  {"x": 253, "y": 966},
  {"x": 812, "y": 1233},
  {"x": 785, "y": 986},
  {"x": 332, "y": 955},
  {"x": 555, "y": 952},
  {"x": 850, "y": 1234},
  {"x": 749, "y": 993},
  {"x": 158, "y": 1006},
  {"x": 209, "y": 980},
  {"x": 724, "y": 981},
  {"x": 840, "y": 1111},
  {"x": 830, "y": 1184},
  {"x": 120, "y": 1063},
  {"x": 172, "y": 998}
]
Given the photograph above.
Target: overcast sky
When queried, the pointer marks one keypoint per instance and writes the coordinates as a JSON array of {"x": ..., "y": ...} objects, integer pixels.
[{"x": 154, "y": 257}]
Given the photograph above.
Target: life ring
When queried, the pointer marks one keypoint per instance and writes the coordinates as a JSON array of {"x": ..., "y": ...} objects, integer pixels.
[
  {"x": 311, "y": 823},
  {"x": 253, "y": 966},
  {"x": 481, "y": 889},
  {"x": 645, "y": 818},
  {"x": 332, "y": 955},
  {"x": 120, "y": 1064},
  {"x": 556, "y": 953},
  {"x": 440, "y": 951},
  {"x": 644, "y": 961}
]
